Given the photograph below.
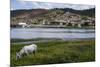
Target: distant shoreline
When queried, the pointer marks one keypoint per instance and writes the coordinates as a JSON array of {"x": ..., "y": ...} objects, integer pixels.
[
  {"x": 87, "y": 27},
  {"x": 30, "y": 41}
]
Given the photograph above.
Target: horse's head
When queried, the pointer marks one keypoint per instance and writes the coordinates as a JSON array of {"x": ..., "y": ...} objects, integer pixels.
[{"x": 18, "y": 56}]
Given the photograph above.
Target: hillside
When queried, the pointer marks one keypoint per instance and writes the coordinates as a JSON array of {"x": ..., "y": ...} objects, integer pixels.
[
  {"x": 34, "y": 12},
  {"x": 38, "y": 16},
  {"x": 87, "y": 12},
  {"x": 29, "y": 13}
]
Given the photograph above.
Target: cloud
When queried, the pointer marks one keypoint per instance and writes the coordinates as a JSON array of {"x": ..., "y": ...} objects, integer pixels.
[
  {"x": 22, "y": 2},
  {"x": 61, "y": 5},
  {"x": 46, "y": 5},
  {"x": 11, "y": 8}
]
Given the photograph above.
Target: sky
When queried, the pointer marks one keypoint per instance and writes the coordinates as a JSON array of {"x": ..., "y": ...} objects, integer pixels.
[{"x": 20, "y": 4}]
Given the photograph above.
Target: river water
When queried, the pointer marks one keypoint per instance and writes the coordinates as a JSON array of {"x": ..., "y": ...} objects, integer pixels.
[{"x": 60, "y": 33}]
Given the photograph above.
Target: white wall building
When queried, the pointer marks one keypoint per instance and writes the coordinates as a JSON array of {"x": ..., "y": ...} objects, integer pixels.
[{"x": 22, "y": 24}]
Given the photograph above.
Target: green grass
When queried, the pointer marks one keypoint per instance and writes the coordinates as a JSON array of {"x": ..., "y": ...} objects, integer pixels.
[
  {"x": 36, "y": 39},
  {"x": 56, "y": 52}
]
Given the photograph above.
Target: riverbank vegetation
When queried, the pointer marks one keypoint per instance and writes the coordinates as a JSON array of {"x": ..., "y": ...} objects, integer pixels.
[
  {"x": 49, "y": 26},
  {"x": 36, "y": 39},
  {"x": 56, "y": 52}
]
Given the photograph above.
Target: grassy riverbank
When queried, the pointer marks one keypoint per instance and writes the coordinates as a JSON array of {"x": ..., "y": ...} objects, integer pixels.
[
  {"x": 57, "y": 52},
  {"x": 36, "y": 39}
]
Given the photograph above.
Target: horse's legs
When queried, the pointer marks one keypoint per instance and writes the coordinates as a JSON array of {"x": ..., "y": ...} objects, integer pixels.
[
  {"x": 27, "y": 53},
  {"x": 34, "y": 52}
]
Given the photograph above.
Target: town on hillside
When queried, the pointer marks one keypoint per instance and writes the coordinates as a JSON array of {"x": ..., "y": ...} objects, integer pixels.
[{"x": 53, "y": 18}]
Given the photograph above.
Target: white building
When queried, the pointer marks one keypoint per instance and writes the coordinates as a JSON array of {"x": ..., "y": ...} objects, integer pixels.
[{"x": 22, "y": 24}]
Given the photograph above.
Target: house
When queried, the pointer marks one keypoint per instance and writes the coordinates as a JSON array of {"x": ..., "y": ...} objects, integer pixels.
[{"x": 22, "y": 24}]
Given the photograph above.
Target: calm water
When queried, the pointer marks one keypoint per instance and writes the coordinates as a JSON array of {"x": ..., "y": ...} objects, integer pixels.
[{"x": 62, "y": 33}]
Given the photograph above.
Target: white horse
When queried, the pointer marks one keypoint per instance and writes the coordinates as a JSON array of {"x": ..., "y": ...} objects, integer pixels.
[{"x": 26, "y": 50}]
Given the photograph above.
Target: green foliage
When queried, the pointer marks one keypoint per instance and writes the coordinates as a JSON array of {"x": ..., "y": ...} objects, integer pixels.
[
  {"x": 84, "y": 18},
  {"x": 56, "y": 52}
]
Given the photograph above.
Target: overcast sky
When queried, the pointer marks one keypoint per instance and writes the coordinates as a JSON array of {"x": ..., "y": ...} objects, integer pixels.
[{"x": 20, "y": 4}]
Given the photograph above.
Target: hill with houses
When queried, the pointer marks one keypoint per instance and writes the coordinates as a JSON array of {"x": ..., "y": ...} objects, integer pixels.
[{"x": 57, "y": 17}]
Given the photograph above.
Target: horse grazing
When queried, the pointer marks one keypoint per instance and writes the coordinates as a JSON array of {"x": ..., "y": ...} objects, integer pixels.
[{"x": 26, "y": 50}]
